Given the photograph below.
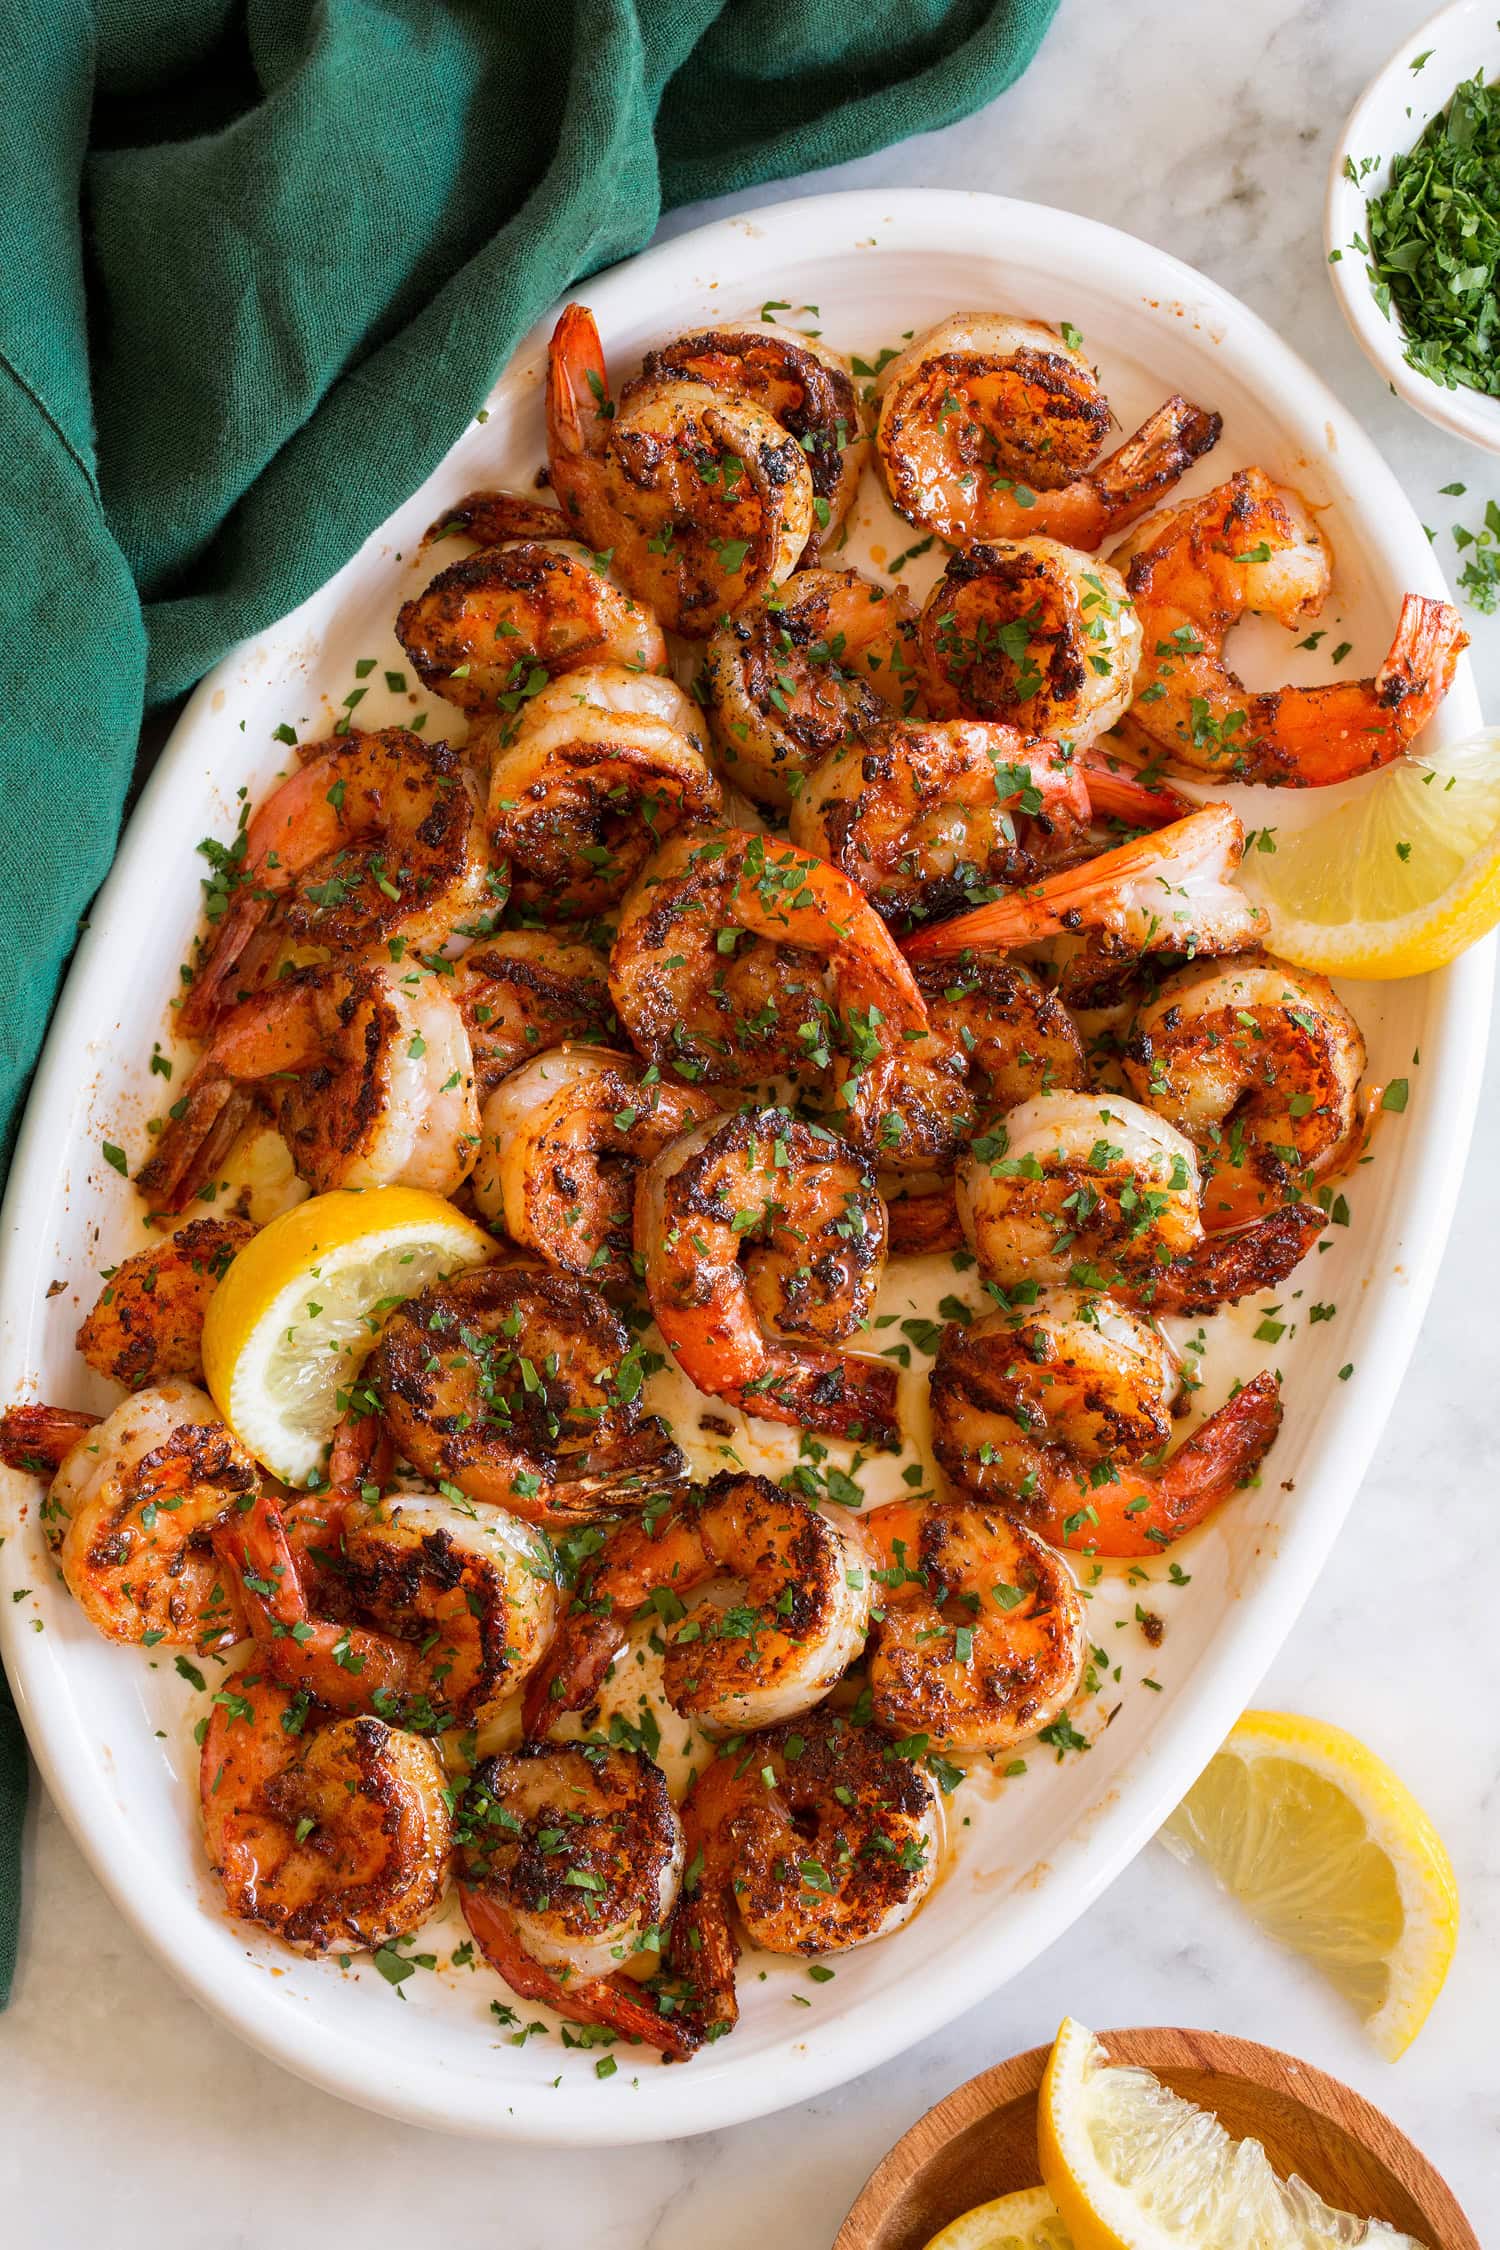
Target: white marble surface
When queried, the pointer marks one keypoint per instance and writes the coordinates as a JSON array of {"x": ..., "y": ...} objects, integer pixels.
[{"x": 128, "y": 2118}]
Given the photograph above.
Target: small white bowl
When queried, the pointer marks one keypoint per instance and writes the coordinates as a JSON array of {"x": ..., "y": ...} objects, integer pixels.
[{"x": 1386, "y": 121}]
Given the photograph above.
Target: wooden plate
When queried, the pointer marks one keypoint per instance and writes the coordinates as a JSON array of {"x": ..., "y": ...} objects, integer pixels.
[{"x": 981, "y": 2141}]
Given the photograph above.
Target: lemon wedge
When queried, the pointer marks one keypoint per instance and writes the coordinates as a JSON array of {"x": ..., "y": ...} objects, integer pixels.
[
  {"x": 301, "y": 1305},
  {"x": 1133, "y": 2166},
  {"x": 1333, "y": 1855},
  {"x": 1401, "y": 877},
  {"x": 1026, "y": 2220}
]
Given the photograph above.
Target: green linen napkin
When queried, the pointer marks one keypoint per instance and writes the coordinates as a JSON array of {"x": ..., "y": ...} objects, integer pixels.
[{"x": 265, "y": 259}]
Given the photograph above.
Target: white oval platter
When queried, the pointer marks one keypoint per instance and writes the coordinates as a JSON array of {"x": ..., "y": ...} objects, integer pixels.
[{"x": 111, "y": 1727}]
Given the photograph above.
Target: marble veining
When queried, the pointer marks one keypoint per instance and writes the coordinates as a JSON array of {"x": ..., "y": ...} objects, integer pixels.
[{"x": 130, "y": 2118}]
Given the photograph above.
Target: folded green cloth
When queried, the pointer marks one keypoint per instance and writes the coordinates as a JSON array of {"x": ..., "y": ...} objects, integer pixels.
[{"x": 265, "y": 259}]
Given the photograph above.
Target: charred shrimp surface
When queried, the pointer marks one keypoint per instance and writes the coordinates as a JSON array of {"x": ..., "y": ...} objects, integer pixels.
[
  {"x": 525, "y": 991},
  {"x": 1032, "y": 634}
]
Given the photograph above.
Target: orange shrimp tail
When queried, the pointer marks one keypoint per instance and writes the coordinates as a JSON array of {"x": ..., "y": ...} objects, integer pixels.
[
  {"x": 208, "y": 995},
  {"x": 1313, "y": 738},
  {"x": 494, "y": 518},
  {"x": 1418, "y": 672},
  {"x": 1144, "y": 1511},
  {"x": 703, "y": 1950},
  {"x": 618, "y": 2002},
  {"x": 922, "y": 1223},
  {"x": 40, "y": 1438},
  {"x": 363, "y": 1452},
  {"x": 1227, "y": 1266},
  {"x": 215, "y": 1112},
  {"x": 1061, "y": 902},
  {"x": 1120, "y": 793},
  {"x": 577, "y": 399},
  {"x": 1163, "y": 449},
  {"x": 839, "y": 1396},
  {"x": 582, "y": 1651}
]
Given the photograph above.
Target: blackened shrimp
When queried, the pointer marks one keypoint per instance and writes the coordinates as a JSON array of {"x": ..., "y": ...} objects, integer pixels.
[
  {"x": 366, "y": 1069},
  {"x": 1170, "y": 892},
  {"x": 922, "y": 815},
  {"x": 1193, "y": 571},
  {"x": 989, "y": 427},
  {"x": 570, "y": 1860},
  {"x": 808, "y": 388},
  {"x": 701, "y": 496},
  {"x": 797, "y": 1621},
  {"x": 595, "y": 773},
  {"x": 485, "y": 627},
  {"x": 331, "y": 1833},
  {"x": 980, "y": 1639},
  {"x": 1034, "y": 634},
  {"x": 797, "y": 673},
  {"x": 764, "y": 1240},
  {"x": 1018, "y": 1039},
  {"x": 1061, "y": 1413},
  {"x": 525, "y": 991},
  {"x": 520, "y": 1386},
  {"x": 406, "y": 1606},
  {"x": 563, "y": 1141},
  {"x": 1260, "y": 1065},
  {"x": 740, "y": 959},
  {"x": 375, "y": 838},
  {"x": 147, "y": 1321},
  {"x": 133, "y": 1503},
  {"x": 815, "y": 1837}
]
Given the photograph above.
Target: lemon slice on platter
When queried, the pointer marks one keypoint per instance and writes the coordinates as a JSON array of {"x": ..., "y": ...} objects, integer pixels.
[
  {"x": 302, "y": 1304},
  {"x": 1333, "y": 1855},
  {"x": 1133, "y": 2166},
  {"x": 1401, "y": 877},
  {"x": 1026, "y": 2220}
]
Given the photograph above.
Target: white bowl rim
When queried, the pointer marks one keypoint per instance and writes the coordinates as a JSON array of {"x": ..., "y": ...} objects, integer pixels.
[
  {"x": 697, "y": 2098},
  {"x": 1463, "y": 412}
]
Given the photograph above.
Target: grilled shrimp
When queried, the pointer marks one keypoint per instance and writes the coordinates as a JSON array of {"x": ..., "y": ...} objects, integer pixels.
[
  {"x": 492, "y": 518},
  {"x": 1033, "y": 634},
  {"x": 806, "y": 387},
  {"x": 1171, "y": 892},
  {"x": 980, "y": 1638},
  {"x": 597, "y": 771},
  {"x": 147, "y": 1321},
  {"x": 922, "y": 815},
  {"x": 1260, "y": 1065},
  {"x": 485, "y": 627},
  {"x": 701, "y": 496},
  {"x": 331, "y": 1833},
  {"x": 988, "y": 426},
  {"x": 133, "y": 1502},
  {"x": 366, "y": 1069},
  {"x": 563, "y": 1141},
  {"x": 764, "y": 1241},
  {"x": 525, "y": 991},
  {"x": 1193, "y": 571},
  {"x": 1094, "y": 1188},
  {"x": 740, "y": 959},
  {"x": 1019, "y": 1040},
  {"x": 570, "y": 1860},
  {"x": 798, "y": 1621},
  {"x": 1061, "y": 1413},
  {"x": 801, "y": 671},
  {"x": 818, "y": 1836},
  {"x": 375, "y": 838},
  {"x": 520, "y": 1387},
  {"x": 407, "y": 1606}
]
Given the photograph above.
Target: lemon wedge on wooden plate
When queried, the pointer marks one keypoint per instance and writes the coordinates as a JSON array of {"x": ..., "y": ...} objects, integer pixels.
[
  {"x": 302, "y": 1304},
  {"x": 1026, "y": 2220},
  {"x": 1399, "y": 878},
  {"x": 1133, "y": 2166},
  {"x": 1333, "y": 1855}
]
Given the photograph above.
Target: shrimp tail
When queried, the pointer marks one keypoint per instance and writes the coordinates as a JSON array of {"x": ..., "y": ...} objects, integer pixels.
[
  {"x": 1121, "y": 792},
  {"x": 363, "y": 1452},
  {"x": 1062, "y": 902},
  {"x": 1225, "y": 1267},
  {"x": 1146, "y": 1510},
  {"x": 840, "y": 1396},
  {"x": 40, "y": 1438},
  {"x": 922, "y": 1223},
  {"x": 207, "y": 997},
  {"x": 581, "y": 1652},
  {"x": 1418, "y": 671},
  {"x": 494, "y": 518},
  {"x": 578, "y": 401},
  {"x": 703, "y": 1951},
  {"x": 1164, "y": 448},
  {"x": 214, "y": 1113},
  {"x": 617, "y": 2002}
]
